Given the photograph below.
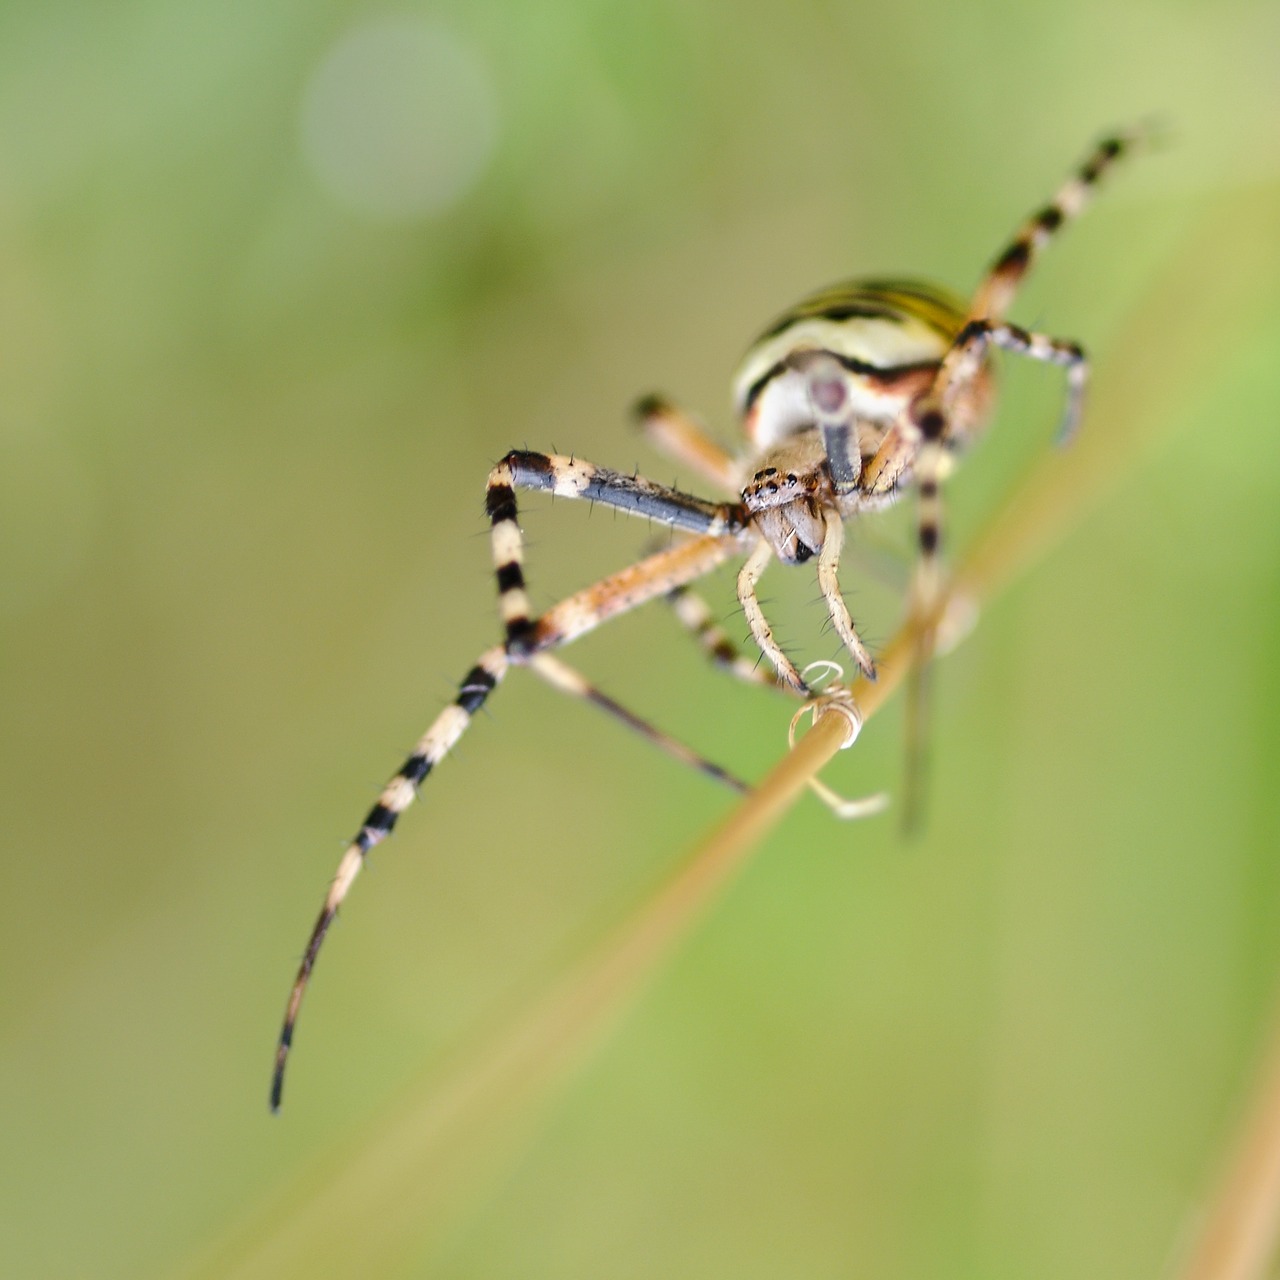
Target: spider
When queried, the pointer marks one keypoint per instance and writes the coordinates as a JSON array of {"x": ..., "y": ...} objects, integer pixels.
[{"x": 858, "y": 393}]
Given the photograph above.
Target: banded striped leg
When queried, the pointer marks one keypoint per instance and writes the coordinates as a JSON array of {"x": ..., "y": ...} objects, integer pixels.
[
  {"x": 560, "y": 675},
  {"x": 677, "y": 434},
  {"x": 571, "y": 618},
  {"x": 931, "y": 430},
  {"x": 961, "y": 364},
  {"x": 995, "y": 295},
  {"x": 965, "y": 357},
  {"x": 922, "y": 442},
  {"x": 692, "y": 610},
  {"x": 926, "y": 589},
  {"x": 761, "y": 632},
  {"x": 931, "y": 422},
  {"x": 997, "y": 291},
  {"x": 927, "y": 431},
  {"x": 572, "y": 478},
  {"x": 927, "y": 435},
  {"x": 396, "y": 797}
]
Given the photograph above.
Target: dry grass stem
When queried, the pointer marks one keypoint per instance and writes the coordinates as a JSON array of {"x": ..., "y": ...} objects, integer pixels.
[{"x": 1236, "y": 1238}]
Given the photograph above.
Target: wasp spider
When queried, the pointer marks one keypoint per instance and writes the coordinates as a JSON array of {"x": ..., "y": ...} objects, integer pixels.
[{"x": 856, "y": 394}]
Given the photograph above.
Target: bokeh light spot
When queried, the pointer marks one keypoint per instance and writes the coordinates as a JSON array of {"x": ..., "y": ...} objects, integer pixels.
[{"x": 399, "y": 120}]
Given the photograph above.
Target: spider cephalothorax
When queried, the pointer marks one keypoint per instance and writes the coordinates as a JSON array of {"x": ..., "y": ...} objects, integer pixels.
[
  {"x": 787, "y": 494},
  {"x": 857, "y": 393}
]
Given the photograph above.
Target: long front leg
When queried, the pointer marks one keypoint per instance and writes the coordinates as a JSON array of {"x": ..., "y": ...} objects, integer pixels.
[
  {"x": 572, "y": 478},
  {"x": 991, "y": 301},
  {"x": 997, "y": 291},
  {"x": 572, "y": 617},
  {"x": 379, "y": 822}
]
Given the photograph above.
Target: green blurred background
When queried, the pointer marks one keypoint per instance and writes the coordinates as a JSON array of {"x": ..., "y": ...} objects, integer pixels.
[{"x": 280, "y": 281}]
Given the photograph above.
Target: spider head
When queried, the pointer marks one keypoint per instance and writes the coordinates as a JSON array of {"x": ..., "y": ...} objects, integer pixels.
[{"x": 785, "y": 496}]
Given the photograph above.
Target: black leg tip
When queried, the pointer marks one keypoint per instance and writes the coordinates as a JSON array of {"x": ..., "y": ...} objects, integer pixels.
[{"x": 650, "y": 406}]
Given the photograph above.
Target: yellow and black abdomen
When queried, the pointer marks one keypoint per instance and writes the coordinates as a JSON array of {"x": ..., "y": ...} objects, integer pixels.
[{"x": 888, "y": 334}]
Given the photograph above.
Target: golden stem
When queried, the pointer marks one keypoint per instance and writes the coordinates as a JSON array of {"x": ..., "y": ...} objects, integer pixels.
[{"x": 1236, "y": 1238}]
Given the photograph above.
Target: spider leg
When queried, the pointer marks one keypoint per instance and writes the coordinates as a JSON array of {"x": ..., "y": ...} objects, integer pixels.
[
  {"x": 572, "y": 617},
  {"x": 693, "y": 612},
  {"x": 957, "y": 371},
  {"x": 572, "y": 478},
  {"x": 829, "y": 585},
  {"x": 563, "y": 677},
  {"x": 656, "y": 575},
  {"x": 919, "y": 440},
  {"x": 681, "y": 437},
  {"x": 926, "y": 432},
  {"x": 967, "y": 353},
  {"x": 998, "y": 288},
  {"x": 992, "y": 299},
  {"x": 928, "y": 416},
  {"x": 930, "y": 421},
  {"x": 761, "y": 632},
  {"x": 379, "y": 822}
]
